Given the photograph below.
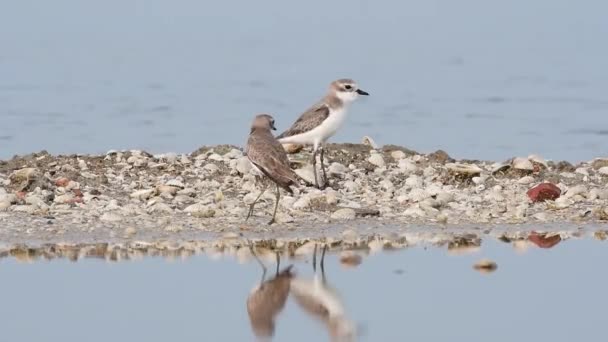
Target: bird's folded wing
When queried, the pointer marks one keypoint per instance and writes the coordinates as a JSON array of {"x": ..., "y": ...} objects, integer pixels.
[{"x": 307, "y": 121}]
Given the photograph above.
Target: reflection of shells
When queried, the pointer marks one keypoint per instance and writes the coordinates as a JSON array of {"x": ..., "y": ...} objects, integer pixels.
[
  {"x": 350, "y": 259},
  {"x": 463, "y": 250},
  {"x": 485, "y": 266},
  {"x": 521, "y": 246}
]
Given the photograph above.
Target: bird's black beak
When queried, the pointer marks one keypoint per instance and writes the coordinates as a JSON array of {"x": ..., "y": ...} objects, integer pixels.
[
  {"x": 361, "y": 92},
  {"x": 272, "y": 127}
]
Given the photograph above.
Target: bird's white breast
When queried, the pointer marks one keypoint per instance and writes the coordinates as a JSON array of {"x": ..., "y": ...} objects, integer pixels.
[{"x": 321, "y": 133}]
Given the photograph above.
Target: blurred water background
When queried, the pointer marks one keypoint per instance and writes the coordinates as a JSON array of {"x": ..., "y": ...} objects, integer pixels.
[{"x": 479, "y": 79}]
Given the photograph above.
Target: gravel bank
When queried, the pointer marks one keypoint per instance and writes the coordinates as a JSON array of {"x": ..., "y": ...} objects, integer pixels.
[{"x": 136, "y": 195}]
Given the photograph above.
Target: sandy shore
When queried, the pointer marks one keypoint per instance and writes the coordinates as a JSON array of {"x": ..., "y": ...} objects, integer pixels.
[{"x": 135, "y": 196}]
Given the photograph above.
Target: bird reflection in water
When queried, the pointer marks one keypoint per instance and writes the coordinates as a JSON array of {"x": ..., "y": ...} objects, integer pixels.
[
  {"x": 267, "y": 299},
  {"x": 322, "y": 302}
]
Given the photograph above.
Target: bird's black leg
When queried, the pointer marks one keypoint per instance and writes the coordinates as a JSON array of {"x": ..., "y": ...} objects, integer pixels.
[
  {"x": 259, "y": 261},
  {"x": 254, "y": 202},
  {"x": 323, "y": 262},
  {"x": 314, "y": 259},
  {"x": 276, "y": 205},
  {"x": 278, "y": 262},
  {"x": 325, "y": 180},
  {"x": 314, "y": 166}
]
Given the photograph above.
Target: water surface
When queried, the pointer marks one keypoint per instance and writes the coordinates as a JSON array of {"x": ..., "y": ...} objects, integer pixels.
[
  {"x": 479, "y": 79},
  {"x": 418, "y": 293}
]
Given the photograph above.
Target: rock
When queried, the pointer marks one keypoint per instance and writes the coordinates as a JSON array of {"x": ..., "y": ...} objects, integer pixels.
[
  {"x": 61, "y": 182},
  {"x": 4, "y": 205},
  {"x": 201, "y": 210},
  {"x": 176, "y": 183},
  {"x": 211, "y": 168},
  {"x": 337, "y": 169},
  {"x": 64, "y": 199},
  {"x": 464, "y": 169},
  {"x": 331, "y": 197},
  {"x": 174, "y": 228},
  {"x": 414, "y": 211},
  {"x": 398, "y": 155},
  {"x": 603, "y": 170},
  {"x": 564, "y": 166},
  {"x": 308, "y": 174},
  {"x": 440, "y": 156},
  {"x": 414, "y": 182},
  {"x": 407, "y": 166},
  {"x": 233, "y": 154},
  {"x": 525, "y": 180},
  {"x": 599, "y": 163},
  {"x": 143, "y": 194},
  {"x": 302, "y": 203},
  {"x": 544, "y": 192},
  {"x": 563, "y": 203},
  {"x": 215, "y": 157},
  {"x": 111, "y": 217},
  {"x": 576, "y": 190},
  {"x": 160, "y": 208},
  {"x": 351, "y": 186},
  {"x": 524, "y": 164},
  {"x": 21, "y": 179},
  {"x": 344, "y": 214},
  {"x": 283, "y": 217},
  {"x": 243, "y": 165},
  {"x": 376, "y": 159},
  {"x": 167, "y": 190}
]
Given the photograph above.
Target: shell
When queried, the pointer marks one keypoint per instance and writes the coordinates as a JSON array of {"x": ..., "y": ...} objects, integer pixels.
[
  {"x": 520, "y": 163},
  {"x": 369, "y": 142},
  {"x": 466, "y": 169}
]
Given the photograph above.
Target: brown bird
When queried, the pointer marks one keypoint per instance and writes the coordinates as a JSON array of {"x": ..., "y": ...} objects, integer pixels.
[
  {"x": 268, "y": 157},
  {"x": 267, "y": 300},
  {"x": 322, "y": 120}
]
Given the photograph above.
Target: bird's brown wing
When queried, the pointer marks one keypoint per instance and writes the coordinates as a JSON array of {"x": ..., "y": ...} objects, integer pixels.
[
  {"x": 266, "y": 153},
  {"x": 307, "y": 121}
]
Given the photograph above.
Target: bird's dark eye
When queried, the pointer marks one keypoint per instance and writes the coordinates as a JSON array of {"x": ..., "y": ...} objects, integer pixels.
[{"x": 348, "y": 87}]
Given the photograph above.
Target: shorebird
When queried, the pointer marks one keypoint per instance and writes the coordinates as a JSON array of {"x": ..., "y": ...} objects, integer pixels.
[
  {"x": 267, "y": 299},
  {"x": 322, "y": 120},
  {"x": 319, "y": 300},
  {"x": 268, "y": 157}
]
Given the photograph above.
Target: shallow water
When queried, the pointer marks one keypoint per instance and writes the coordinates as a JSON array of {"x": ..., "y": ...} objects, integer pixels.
[
  {"x": 417, "y": 293},
  {"x": 482, "y": 80}
]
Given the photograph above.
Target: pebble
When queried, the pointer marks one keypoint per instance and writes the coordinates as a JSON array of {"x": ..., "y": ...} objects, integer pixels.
[
  {"x": 520, "y": 163},
  {"x": 142, "y": 194},
  {"x": 376, "y": 159},
  {"x": 337, "y": 169},
  {"x": 398, "y": 155},
  {"x": 302, "y": 203},
  {"x": 344, "y": 214},
  {"x": 603, "y": 170},
  {"x": 407, "y": 166},
  {"x": 526, "y": 180},
  {"x": 243, "y": 165},
  {"x": 111, "y": 217}
]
